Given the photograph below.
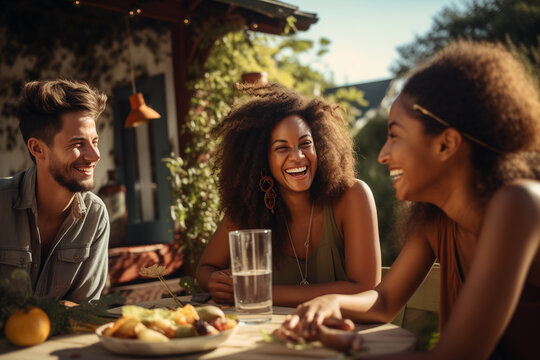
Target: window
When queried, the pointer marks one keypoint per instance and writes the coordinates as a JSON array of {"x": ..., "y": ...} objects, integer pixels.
[{"x": 138, "y": 152}]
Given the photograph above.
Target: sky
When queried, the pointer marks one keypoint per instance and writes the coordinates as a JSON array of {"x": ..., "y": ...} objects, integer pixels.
[{"x": 365, "y": 34}]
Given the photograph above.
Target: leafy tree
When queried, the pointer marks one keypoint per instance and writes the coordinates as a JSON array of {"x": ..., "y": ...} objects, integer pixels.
[
  {"x": 349, "y": 97},
  {"x": 304, "y": 79},
  {"x": 512, "y": 22}
]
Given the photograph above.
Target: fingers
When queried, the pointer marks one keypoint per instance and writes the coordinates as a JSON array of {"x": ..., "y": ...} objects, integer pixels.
[
  {"x": 341, "y": 324},
  {"x": 346, "y": 341},
  {"x": 287, "y": 335},
  {"x": 222, "y": 276},
  {"x": 338, "y": 339},
  {"x": 291, "y": 321},
  {"x": 311, "y": 320},
  {"x": 220, "y": 287},
  {"x": 227, "y": 272},
  {"x": 312, "y": 323},
  {"x": 304, "y": 321},
  {"x": 357, "y": 342},
  {"x": 309, "y": 325},
  {"x": 222, "y": 293}
]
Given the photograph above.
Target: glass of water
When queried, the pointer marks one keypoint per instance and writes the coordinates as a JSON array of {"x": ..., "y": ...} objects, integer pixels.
[{"x": 251, "y": 265}]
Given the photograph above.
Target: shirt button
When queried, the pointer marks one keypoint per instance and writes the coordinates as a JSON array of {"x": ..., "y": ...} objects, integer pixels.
[
  {"x": 35, "y": 266},
  {"x": 21, "y": 260},
  {"x": 75, "y": 257}
]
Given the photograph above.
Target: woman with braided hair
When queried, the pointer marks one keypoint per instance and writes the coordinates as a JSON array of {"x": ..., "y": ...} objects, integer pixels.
[
  {"x": 463, "y": 147},
  {"x": 286, "y": 163}
]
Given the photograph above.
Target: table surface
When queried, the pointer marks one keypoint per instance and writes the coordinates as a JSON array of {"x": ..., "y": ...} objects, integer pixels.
[{"x": 246, "y": 343}]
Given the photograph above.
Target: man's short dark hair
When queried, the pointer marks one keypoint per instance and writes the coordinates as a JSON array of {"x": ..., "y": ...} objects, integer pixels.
[{"x": 43, "y": 102}]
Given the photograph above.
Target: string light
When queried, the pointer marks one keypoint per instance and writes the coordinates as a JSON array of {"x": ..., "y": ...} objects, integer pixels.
[
  {"x": 76, "y": 3},
  {"x": 254, "y": 25},
  {"x": 134, "y": 12},
  {"x": 187, "y": 21}
]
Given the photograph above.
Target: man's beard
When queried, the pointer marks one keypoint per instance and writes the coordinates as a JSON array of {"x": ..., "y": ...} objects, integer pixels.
[{"x": 62, "y": 176}]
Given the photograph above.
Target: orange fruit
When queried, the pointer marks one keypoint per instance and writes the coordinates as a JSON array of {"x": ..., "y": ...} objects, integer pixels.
[{"x": 27, "y": 326}]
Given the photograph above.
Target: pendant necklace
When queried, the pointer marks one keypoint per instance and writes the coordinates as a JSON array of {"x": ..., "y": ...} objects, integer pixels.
[{"x": 306, "y": 245}]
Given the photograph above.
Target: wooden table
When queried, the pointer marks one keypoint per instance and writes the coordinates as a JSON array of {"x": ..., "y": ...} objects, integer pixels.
[{"x": 246, "y": 343}]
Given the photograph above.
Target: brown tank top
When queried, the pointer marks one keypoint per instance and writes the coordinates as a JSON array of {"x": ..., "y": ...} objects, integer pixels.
[{"x": 520, "y": 339}]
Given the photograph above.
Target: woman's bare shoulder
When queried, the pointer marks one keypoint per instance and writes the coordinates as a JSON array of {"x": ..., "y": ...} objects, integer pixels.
[
  {"x": 357, "y": 200},
  {"x": 518, "y": 195},
  {"x": 513, "y": 215},
  {"x": 358, "y": 191}
]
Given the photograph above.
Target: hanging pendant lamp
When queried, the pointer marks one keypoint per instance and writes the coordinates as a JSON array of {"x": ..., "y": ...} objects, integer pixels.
[{"x": 140, "y": 112}]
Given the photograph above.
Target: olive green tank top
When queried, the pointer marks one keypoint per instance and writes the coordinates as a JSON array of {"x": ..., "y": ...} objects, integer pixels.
[{"x": 326, "y": 263}]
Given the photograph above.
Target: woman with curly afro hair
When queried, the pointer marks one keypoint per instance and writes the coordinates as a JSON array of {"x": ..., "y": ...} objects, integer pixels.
[
  {"x": 286, "y": 163},
  {"x": 463, "y": 148}
]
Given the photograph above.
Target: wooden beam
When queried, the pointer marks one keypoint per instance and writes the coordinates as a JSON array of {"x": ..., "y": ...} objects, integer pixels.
[{"x": 169, "y": 11}]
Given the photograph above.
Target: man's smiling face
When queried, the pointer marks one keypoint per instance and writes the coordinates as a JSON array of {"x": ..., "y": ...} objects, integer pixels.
[{"x": 74, "y": 153}]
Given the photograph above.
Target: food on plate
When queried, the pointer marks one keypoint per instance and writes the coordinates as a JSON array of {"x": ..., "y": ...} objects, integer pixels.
[
  {"x": 210, "y": 313},
  {"x": 163, "y": 324},
  {"x": 337, "y": 334},
  {"x": 346, "y": 341}
]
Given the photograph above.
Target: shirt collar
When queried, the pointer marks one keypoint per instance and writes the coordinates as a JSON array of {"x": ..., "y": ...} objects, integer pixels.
[
  {"x": 78, "y": 207},
  {"x": 27, "y": 195},
  {"x": 26, "y": 198}
]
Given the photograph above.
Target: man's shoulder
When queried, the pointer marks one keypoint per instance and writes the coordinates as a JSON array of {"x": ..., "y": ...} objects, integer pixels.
[
  {"x": 91, "y": 200},
  {"x": 92, "y": 209},
  {"x": 10, "y": 187},
  {"x": 10, "y": 182}
]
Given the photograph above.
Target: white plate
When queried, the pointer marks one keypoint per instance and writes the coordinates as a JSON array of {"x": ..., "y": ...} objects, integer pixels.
[{"x": 174, "y": 346}]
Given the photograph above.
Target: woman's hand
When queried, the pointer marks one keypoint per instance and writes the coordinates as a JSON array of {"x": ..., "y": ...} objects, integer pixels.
[
  {"x": 310, "y": 315},
  {"x": 220, "y": 286},
  {"x": 342, "y": 340},
  {"x": 334, "y": 333}
]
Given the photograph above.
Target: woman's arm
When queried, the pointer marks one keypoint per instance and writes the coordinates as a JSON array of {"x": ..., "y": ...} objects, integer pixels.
[
  {"x": 213, "y": 272},
  {"x": 508, "y": 246},
  {"x": 356, "y": 218},
  {"x": 378, "y": 305},
  {"x": 356, "y": 215}
]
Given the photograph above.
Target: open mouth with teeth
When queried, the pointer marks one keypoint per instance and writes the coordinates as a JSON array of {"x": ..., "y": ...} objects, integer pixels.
[
  {"x": 86, "y": 170},
  {"x": 298, "y": 171},
  {"x": 396, "y": 174}
]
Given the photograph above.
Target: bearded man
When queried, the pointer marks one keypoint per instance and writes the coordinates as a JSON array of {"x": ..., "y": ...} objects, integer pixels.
[{"x": 51, "y": 225}]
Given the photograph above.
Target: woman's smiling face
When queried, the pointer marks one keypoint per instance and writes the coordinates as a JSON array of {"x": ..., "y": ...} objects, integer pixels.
[
  {"x": 292, "y": 156},
  {"x": 409, "y": 154}
]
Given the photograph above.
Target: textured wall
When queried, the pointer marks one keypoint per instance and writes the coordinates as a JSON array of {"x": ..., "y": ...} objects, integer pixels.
[{"x": 13, "y": 154}]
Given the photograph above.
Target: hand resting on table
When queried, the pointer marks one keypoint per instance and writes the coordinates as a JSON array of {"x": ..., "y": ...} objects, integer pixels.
[
  {"x": 220, "y": 286},
  {"x": 333, "y": 333}
]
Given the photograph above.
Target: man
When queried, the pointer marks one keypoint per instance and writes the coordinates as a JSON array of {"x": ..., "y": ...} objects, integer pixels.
[{"x": 52, "y": 225}]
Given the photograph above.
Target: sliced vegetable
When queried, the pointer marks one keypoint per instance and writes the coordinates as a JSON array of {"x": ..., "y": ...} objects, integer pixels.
[
  {"x": 209, "y": 313},
  {"x": 182, "y": 331},
  {"x": 146, "y": 334}
]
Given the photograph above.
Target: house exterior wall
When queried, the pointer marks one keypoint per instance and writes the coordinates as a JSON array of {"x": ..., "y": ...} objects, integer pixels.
[{"x": 13, "y": 153}]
